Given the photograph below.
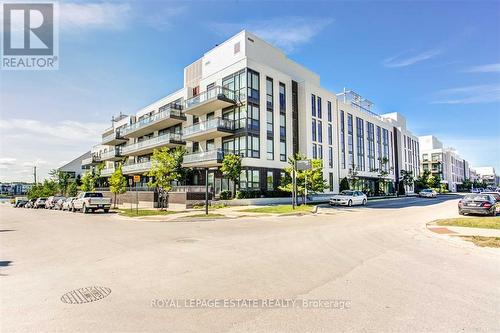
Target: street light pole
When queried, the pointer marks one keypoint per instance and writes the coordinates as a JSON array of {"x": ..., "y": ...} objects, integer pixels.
[{"x": 206, "y": 191}]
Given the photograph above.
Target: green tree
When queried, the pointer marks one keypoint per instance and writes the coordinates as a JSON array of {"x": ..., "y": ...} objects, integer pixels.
[
  {"x": 353, "y": 176},
  {"x": 62, "y": 178},
  {"x": 117, "y": 182},
  {"x": 382, "y": 173},
  {"x": 72, "y": 189},
  {"x": 315, "y": 181},
  {"x": 43, "y": 190},
  {"x": 407, "y": 178},
  {"x": 344, "y": 184},
  {"x": 231, "y": 169},
  {"x": 422, "y": 182},
  {"x": 89, "y": 178},
  {"x": 166, "y": 167}
]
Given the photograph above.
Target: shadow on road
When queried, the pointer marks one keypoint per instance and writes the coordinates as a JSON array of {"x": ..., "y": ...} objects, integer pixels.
[
  {"x": 411, "y": 202},
  {"x": 6, "y": 230}
]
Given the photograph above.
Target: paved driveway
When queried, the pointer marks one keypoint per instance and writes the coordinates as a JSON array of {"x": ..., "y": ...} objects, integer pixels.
[{"x": 395, "y": 275}]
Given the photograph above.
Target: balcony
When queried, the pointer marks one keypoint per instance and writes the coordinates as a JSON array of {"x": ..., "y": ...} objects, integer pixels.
[
  {"x": 136, "y": 168},
  {"x": 113, "y": 139},
  {"x": 168, "y": 115},
  {"x": 112, "y": 155},
  {"x": 147, "y": 146},
  {"x": 204, "y": 159},
  {"x": 92, "y": 160},
  {"x": 107, "y": 172},
  {"x": 210, "y": 129},
  {"x": 213, "y": 99}
]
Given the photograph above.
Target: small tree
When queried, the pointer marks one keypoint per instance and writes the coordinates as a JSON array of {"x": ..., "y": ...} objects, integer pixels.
[
  {"x": 62, "y": 179},
  {"x": 231, "y": 169},
  {"x": 315, "y": 181},
  {"x": 407, "y": 178},
  {"x": 72, "y": 189},
  {"x": 117, "y": 182},
  {"x": 89, "y": 179},
  {"x": 382, "y": 173},
  {"x": 353, "y": 176},
  {"x": 344, "y": 184},
  {"x": 166, "y": 167}
]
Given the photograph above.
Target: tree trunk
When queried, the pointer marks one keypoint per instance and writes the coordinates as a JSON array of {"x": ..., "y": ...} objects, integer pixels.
[{"x": 115, "y": 200}]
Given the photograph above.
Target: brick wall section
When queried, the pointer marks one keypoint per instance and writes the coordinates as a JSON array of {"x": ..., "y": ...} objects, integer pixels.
[{"x": 130, "y": 197}]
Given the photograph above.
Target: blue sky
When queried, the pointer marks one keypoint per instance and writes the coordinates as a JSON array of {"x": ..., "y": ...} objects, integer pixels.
[{"x": 436, "y": 62}]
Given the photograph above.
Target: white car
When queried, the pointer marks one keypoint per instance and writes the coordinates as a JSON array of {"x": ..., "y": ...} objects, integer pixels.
[
  {"x": 90, "y": 202},
  {"x": 68, "y": 204},
  {"x": 349, "y": 198},
  {"x": 428, "y": 193}
]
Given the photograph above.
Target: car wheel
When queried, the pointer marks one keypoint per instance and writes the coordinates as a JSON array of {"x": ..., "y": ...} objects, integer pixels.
[
  {"x": 460, "y": 212},
  {"x": 349, "y": 203},
  {"x": 106, "y": 211},
  {"x": 364, "y": 202},
  {"x": 493, "y": 212},
  {"x": 84, "y": 209}
]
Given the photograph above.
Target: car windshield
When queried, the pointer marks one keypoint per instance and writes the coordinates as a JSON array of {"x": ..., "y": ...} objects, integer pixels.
[
  {"x": 477, "y": 197},
  {"x": 494, "y": 194},
  {"x": 93, "y": 195},
  {"x": 347, "y": 193},
  {"x": 426, "y": 190}
]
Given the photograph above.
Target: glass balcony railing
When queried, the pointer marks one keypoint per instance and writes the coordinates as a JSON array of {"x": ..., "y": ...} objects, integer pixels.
[
  {"x": 165, "y": 112},
  {"x": 111, "y": 154},
  {"x": 216, "y": 155},
  {"x": 137, "y": 167},
  {"x": 106, "y": 172},
  {"x": 215, "y": 123},
  {"x": 153, "y": 142},
  {"x": 216, "y": 92},
  {"x": 94, "y": 159}
]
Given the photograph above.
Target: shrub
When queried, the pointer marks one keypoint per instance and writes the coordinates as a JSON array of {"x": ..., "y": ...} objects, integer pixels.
[
  {"x": 344, "y": 184},
  {"x": 225, "y": 195},
  {"x": 248, "y": 194}
]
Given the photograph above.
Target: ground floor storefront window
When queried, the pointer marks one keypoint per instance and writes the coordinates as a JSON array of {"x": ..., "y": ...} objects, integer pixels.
[{"x": 373, "y": 186}]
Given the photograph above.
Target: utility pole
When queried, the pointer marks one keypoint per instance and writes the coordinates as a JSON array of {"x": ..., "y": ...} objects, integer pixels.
[
  {"x": 206, "y": 191},
  {"x": 34, "y": 173}
]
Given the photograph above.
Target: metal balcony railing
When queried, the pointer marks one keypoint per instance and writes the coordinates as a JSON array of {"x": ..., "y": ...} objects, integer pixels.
[
  {"x": 165, "y": 112},
  {"x": 137, "y": 167},
  {"x": 106, "y": 172},
  {"x": 204, "y": 156},
  {"x": 215, "y": 123},
  {"x": 91, "y": 160},
  {"x": 216, "y": 92},
  {"x": 149, "y": 143},
  {"x": 110, "y": 154}
]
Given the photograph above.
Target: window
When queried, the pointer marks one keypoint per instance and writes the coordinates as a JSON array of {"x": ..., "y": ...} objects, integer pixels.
[
  {"x": 320, "y": 131},
  {"x": 385, "y": 144},
  {"x": 210, "y": 144},
  {"x": 236, "y": 146},
  {"x": 269, "y": 122},
  {"x": 360, "y": 135},
  {"x": 330, "y": 157},
  {"x": 320, "y": 112},
  {"x": 425, "y": 157},
  {"x": 379, "y": 144},
  {"x": 313, "y": 127},
  {"x": 371, "y": 145},
  {"x": 282, "y": 126},
  {"x": 282, "y": 97},
  {"x": 253, "y": 84},
  {"x": 253, "y": 113},
  {"x": 253, "y": 145},
  {"x": 342, "y": 139},
  {"x": 315, "y": 151},
  {"x": 313, "y": 105},
  {"x": 196, "y": 147},
  {"x": 283, "y": 151},
  {"x": 250, "y": 179},
  {"x": 330, "y": 181},
  {"x": 330, "y": 134},
  {"x": 269, "y": 93},
  {"x": 270, "y": 181},
  {"x": 270, "y": 149},
  {"x": 238, "y": 114},
  {"x": 350, "y": 143},
  {"x": 329, "y": 106},
  {"x": 320, "y": 152}
]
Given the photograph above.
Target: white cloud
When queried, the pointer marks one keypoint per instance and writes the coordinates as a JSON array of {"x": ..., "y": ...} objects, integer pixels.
[
  {"x": 405, "y": 58},
  {"x": 287, "y": 33},
  {"x": 102, "y": 15},
  {"x": 490, "y": 68},
  {"x": 162, "y": 18},
  {"x": 469, "y": 95}
]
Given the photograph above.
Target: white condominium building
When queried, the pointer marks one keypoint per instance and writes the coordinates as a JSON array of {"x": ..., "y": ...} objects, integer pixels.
[
  {"x": 444, "y": 163},
  {"x": 248, "y": 98}
]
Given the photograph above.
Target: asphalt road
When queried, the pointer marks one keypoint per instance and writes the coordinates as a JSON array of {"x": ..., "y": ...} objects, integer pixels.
[{"x": 392, "y": 274}]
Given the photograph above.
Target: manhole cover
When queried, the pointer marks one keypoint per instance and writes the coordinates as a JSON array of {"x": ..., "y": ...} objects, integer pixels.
[{"x": 85, "y": 295}]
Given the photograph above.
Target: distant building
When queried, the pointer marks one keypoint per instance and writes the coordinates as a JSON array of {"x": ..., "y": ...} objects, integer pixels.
[
  {"x": 75, "y": 167},
  {"x": 442, "y": 162},
  {"x": 488, "y": 175},
  {"x": 14, "y": 188}
]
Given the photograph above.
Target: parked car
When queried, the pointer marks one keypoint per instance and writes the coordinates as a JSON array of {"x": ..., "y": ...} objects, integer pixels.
[
  {"x": 428, "y": 193},
  {"x": 478, "y": 204},
  {"x": 495, "y": 194},
  {"x": 30, "y": 203},
  {"x": 68, "y": 203},
  {"x": 349, "y": 198},
  {"x": 51, "y": 202},
  {"x": 91, "y": 201},
  {"x": 58, "y": 204},
  {"x": 39, "y": 203},
  {"x": 20, "y": 203}
]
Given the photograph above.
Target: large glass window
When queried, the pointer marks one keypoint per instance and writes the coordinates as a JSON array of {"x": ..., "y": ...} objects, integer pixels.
[
  {"x": 330, "y": 134},
  {"x": 360, "y": 143},
  {"x": 379, "y": 144},
  {"x": 313, "y": 105},
  {"x": 350, "y": 140},
  {"x": 320, "y": 111},
  {"x": 330, "y": 157},
  {"x": 269, "y": 93},
  {"x": 236, "y": 82},
  {"x": 385, "y": 144},
  {"x": 371, "y": 145},
  {"x": 320, "y": 152},
  {"x": 253, "y": 84},
  {"x": 253, "y": 145},
  {"x": 329, "y": 106},
  {"x": 236, "y": 113},
  {"x": 270, "y": 181},
  {"x": 270, "y": 149},
  {"x": 320, "y": 131},
  {"x": 253, "y": 112},
  {"x": 250, "y": 179},
  {"x": 283, "y": 151},
  {"x": 282, "y": 126},
  {"x": 313, "y": 127},
  {"x": 315, "y": 150},
  {"x": 282, "y": 97},
  {"x": 342, "y": 139}
]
